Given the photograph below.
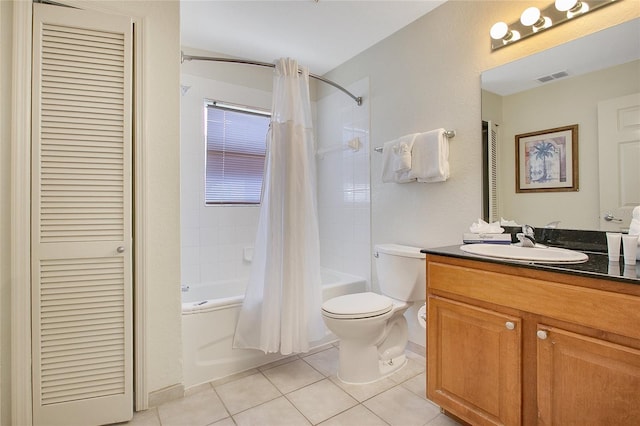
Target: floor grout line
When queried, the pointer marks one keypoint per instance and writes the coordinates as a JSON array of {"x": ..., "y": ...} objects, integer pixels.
[{"x": 322, "y": 362}]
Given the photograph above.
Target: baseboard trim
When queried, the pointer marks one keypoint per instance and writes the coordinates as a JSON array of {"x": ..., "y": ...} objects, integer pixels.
[
  {"x": 167, "y": 394},
  {"x": 417, "y": 349}
]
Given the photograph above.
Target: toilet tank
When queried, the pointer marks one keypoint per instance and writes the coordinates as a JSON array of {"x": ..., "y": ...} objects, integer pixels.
[{"x": 401, "y": 271}]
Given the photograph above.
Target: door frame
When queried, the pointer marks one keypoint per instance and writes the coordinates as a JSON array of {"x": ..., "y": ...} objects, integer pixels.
[{"x": 20, "y": 245}]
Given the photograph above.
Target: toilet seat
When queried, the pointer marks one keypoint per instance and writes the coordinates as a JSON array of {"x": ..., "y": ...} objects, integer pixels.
[{"x": 357, "y": 305}]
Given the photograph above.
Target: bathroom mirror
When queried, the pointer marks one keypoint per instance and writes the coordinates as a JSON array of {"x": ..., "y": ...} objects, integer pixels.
[{"x": 559, "y": 87}]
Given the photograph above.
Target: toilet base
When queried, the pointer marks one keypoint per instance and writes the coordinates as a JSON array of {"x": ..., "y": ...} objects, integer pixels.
[
  {"x": 371, "y": 375},
  {"x": 371, "y": 348},
  {"x": 389, "y": 367}
]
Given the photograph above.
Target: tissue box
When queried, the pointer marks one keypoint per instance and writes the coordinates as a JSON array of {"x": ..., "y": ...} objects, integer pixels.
[{"x": 471, "y": 238}]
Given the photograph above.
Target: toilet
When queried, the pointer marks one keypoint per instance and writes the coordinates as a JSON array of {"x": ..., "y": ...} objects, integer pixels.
[{"x": 371, "y": 327}]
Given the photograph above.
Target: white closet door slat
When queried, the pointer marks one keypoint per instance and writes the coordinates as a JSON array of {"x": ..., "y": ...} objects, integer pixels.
[
  {"x": 86, "y": 33},
  {"x": 82, "y": 66},
  {"x": 81, "y": 198}
]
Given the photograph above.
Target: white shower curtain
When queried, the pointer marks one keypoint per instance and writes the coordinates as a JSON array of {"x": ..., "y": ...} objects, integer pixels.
[{"x": 281, "y": 309}]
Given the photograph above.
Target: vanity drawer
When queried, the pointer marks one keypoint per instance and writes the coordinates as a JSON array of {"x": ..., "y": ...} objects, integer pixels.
[{"x": 604, "y": 310}]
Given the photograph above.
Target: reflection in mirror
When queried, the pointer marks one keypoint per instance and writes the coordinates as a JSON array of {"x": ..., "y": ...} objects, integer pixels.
[{"x": 575, "y": 83}]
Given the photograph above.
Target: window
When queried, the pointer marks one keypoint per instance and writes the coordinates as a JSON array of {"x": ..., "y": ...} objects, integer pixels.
[{"x": 235, "y": 153}]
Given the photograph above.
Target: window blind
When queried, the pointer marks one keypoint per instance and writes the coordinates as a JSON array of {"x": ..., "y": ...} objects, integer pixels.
[{"x": 236, "y": 151}]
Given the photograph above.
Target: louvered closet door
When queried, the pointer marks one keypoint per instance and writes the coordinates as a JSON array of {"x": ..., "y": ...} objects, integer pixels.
[{"x": 81, "y": 217}]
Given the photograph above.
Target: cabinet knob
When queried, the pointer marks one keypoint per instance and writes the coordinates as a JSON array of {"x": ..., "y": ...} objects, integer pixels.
[
  {"x": 120, "y": 249},
  {"x": 510, "y": 325},
  {"x": 542, "y": 335}
]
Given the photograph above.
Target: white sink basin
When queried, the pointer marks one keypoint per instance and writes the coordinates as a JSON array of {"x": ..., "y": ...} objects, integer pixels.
[{"x": 540, "y": 254}]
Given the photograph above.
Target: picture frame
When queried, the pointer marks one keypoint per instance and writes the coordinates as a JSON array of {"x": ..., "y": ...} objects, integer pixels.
[{"x": 547, "y": 160}]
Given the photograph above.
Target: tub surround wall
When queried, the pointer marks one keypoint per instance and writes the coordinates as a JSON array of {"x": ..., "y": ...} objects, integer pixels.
[
  {"x": 214, "y": 237},
  {"x": 344, "y": 204}
]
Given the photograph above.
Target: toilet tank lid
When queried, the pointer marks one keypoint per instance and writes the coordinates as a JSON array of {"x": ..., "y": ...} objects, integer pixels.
[{"x": 399, "y": 250}]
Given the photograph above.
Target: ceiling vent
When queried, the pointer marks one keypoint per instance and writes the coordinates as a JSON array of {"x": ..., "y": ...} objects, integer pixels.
[{"x": 553, "y": 76}]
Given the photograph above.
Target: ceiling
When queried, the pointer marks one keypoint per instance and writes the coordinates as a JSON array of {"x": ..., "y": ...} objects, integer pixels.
[{"x": 320, "y": 35}]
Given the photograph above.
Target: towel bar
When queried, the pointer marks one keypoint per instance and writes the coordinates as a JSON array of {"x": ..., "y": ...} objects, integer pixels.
[{"x": 447, "y": 133}]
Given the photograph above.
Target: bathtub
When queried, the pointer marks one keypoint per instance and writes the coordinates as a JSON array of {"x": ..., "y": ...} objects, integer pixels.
[{"x": 209, "y": 316}]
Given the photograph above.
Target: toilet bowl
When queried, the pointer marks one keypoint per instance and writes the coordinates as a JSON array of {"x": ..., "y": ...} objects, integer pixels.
[{"x": 371, "y": 327}]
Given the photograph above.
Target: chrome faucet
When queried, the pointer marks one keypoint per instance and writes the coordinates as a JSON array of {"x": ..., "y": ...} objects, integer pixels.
[{"x": 526, "y": 237}]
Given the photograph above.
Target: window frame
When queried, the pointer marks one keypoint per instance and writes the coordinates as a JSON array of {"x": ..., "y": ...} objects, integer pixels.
[{"x": 237, "y": 108}]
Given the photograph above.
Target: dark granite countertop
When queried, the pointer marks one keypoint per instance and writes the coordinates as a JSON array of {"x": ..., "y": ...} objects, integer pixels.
[{"x": 598, "y": 265}]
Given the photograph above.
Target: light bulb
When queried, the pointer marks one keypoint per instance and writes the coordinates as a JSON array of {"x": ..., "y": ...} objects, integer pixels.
[
  {"x": 564, "y": 5},
  {"x": 572, "y": 7},
  {"x": 499, "y": 30},
  {"x": 530, "y": 16}
]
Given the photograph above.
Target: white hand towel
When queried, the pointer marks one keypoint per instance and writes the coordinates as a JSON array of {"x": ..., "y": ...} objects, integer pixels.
[
  {"x": 391, "y": 162},
  {"x": 388, "y": 160},
  {"x": 402, "y": 150},
  {"x": 482, "y": 227},
  {"x": 430, "y": 157},
  {"x": 402, "y": 158}
]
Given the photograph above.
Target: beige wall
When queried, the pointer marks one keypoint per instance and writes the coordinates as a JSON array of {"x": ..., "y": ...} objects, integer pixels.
[
  {"x": 161, "y": 121},
  {"x": 426, "y": 76},
  {"x": 161, "y": 168}
]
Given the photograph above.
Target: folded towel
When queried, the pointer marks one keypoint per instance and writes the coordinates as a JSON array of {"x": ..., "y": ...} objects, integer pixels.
[
  {"x": 482, "y": 227},
  {"x": 505, "y": 222},
  {"x": 396, "y": 160},
  {"x": 430, "y": 157},
  {"x": 402, "y": 157},
  {"x": 388, "y": 159},
  {"x": 402, "y": 150}
]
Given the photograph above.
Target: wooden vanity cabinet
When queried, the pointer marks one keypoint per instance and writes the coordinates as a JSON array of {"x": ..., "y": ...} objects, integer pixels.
[
  {"x": 508, "y": 345},
  {"x": 475, "y": 362},
  {"x": 586, "y": 381}
]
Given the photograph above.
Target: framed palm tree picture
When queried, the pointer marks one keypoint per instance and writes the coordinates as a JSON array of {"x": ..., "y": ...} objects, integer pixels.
[{"x": 547, "y": 160}]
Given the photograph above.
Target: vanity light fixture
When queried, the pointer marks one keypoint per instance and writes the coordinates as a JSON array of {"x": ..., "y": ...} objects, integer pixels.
[{"x": 533, "y": 20}]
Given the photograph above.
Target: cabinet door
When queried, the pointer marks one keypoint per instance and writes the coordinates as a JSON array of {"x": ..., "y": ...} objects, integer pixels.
[
  {"x": 586, "y": 381},
  {"x": 474, "y": 362}
]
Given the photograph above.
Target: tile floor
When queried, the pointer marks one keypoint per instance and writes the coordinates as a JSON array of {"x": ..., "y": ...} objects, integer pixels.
[{"x": 303, "y": 390}]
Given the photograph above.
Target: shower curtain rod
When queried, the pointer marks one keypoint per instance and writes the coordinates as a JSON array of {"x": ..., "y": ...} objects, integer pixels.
[{"x": 184, "y": 57}]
